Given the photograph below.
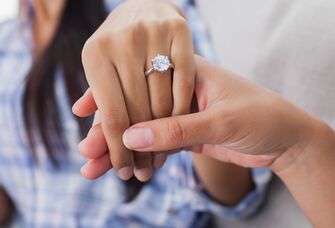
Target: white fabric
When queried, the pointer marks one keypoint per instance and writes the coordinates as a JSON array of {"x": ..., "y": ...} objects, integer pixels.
[{"x": 285, "y": 45}]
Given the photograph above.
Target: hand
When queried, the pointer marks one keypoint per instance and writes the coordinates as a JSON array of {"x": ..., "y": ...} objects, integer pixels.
[
  {"x": 115, "y": 59},
  {"x": 245, "y": 124},
  {"x": 239, "y": 122},
  {"x": 250, "y": 126}
]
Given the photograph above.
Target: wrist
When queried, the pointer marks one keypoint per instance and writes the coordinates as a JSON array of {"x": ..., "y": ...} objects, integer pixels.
[
  {"x": 218, "y": 181},
  {"x": 308, "y": 175},
  {"x": 317, "y": 141}
]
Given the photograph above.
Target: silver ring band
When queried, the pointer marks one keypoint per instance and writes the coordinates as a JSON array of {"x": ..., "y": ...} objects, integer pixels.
[{"x": 152, "y": 70}]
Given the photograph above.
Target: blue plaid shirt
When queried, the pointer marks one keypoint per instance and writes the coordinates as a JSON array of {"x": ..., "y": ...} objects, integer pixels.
[{"x": 45, "y": 197}]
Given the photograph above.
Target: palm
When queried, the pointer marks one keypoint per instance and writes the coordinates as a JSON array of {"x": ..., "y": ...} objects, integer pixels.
[{"x": 231, "y": 156}]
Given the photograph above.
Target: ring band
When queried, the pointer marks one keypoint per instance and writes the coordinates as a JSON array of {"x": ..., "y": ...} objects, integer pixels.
[{"x": 160, "y": 64}]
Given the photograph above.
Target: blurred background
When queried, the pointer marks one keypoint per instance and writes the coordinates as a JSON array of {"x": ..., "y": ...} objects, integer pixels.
[
  {"x": 8, "y": 9},
  {"x": 280, "y": 210}
]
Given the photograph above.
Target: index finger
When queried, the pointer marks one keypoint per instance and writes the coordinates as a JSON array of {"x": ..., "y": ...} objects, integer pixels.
[
  {"x": 85, "y": 105},
  {"x": 107, "y": 92}
]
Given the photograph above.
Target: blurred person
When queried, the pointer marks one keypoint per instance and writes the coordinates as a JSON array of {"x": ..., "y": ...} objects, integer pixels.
[{"x": 41, "y": 76}]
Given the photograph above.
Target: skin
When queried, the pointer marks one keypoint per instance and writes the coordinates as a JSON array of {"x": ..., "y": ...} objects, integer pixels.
[
  {"x": 45, "y": 21},
  {"x": 251, "y": 126},
  {"x": 115, "y": 59},
  {"x": 242, "y": 123},
  {"x": 215, "y": 175},
  {"x": 160, "y": 26}
]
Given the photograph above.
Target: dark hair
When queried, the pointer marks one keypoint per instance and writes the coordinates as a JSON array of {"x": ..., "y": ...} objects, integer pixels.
[{"x": 79, "y": 20}]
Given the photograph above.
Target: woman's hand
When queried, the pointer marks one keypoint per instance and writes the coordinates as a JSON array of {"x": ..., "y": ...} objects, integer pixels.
[
  {"x": 238, "y": 122},
  {"x": 115, "y": 59},
  {"x": 248, "y": 125}
]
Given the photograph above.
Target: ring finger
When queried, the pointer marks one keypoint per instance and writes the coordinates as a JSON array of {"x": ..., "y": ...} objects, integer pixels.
[
  {"x": 135, "y": 91},
  {"x": 160, "y": 85}
]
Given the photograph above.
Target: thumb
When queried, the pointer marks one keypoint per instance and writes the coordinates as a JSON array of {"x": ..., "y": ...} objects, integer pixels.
[{"x": 170, "y": 133}]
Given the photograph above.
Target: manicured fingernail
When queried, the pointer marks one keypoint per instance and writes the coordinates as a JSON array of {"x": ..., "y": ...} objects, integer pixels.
[
  {"x": 74, "y": 108},
  {"x": 90, "y": 131},
  {"x": 125, "y": 173},
  {"x": 138, "y": 138},
  {"x": 81, "y": 145},
  {"x": 159, "y": 160},
  {"x": 143, "y": 174},
  {"x": 82, "y": 169}
]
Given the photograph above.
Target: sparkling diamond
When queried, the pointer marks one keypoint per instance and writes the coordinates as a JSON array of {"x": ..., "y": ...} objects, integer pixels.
[{"x": 161, "y": 63}]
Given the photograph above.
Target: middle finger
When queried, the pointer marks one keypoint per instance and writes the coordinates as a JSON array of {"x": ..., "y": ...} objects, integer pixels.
[
  {"x": 159, "y": 84},
  {"x": 138, "y": 106}
]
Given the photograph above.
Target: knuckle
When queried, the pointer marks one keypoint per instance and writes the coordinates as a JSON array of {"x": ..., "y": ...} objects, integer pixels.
[
  {"x": 146, "y": 29},
  {"x": 120, "y": 160},
  {"x": 139, "y": 27},
  {"x": 138, "y": 116},
  {"x": 116, "y": 121},
  {"x": 179, "y": 24},
  {"x": 175, "y": 133},
  {"x": 186, "y": 83},
  {"x": 150, "y": 24},
  {"x": 162, "y": 109},
  {"x": 162, "y": 112},
  {"x": 127, "y": 39},
  {"x": 133, "y": 31},
  {"x": 87, "y": 49},
  {"x": 92, "y": 47},
  {"x": 142, "y": 160}
]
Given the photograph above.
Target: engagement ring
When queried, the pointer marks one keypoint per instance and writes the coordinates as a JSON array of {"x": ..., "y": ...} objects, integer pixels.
[{"x": 160, "y": 64}]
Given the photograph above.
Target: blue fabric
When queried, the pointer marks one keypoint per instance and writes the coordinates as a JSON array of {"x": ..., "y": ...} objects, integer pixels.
[{"x": 45, "y": 197}]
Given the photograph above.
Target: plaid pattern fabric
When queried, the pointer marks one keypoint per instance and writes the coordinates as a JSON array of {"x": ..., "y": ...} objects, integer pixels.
[{"x": 45, "y": 197}]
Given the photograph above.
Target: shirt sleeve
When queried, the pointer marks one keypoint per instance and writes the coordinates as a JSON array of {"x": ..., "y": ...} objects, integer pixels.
[{"x": 196, "y": 198}]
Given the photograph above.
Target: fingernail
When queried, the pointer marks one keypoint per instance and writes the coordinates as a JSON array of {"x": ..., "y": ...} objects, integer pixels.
[
  {"x": 125, "y": 173},
  {"x": 138, "y": 138},
  {"x": 74, "y": 104},
  {"x": 81, "y": 144},
  {"x": 159, "y": 160},
  {"x": 90, "y": 131},
  {"x": 143, "y": 174},
  {"x": 82, "y": 169}
]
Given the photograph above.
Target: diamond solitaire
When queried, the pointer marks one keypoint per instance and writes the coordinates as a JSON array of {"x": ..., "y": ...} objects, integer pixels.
[{"x": 160, "y": 64}]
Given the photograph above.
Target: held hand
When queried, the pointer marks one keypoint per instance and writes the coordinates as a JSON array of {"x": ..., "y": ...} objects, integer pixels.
[
  {"x": 238, "y": 122},
  {"x": 250, "y": 126},
  {"x": 115, "y": 59}
]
